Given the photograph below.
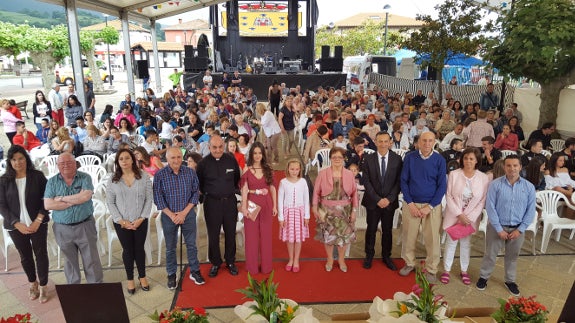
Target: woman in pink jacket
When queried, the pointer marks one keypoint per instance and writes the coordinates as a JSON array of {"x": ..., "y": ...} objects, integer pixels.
[
  {"x": 335, "y": 207},
  {"x": 466, "y": 193}
]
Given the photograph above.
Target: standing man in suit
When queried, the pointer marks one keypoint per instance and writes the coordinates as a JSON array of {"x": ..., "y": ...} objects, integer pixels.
[{"x": 381, "y": 179}]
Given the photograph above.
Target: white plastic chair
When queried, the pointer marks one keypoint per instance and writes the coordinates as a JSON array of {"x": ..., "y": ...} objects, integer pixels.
[
  {"x": 51, "y": 165},
  {"x": 139, "y": 140},
  {"x": 160, "y": 230},
  {"x": 54, "y": 247},
  {"x": 111, "y": 235},
  {"x": 97, "y": 173},
  {"x": 2, "y": 166},
  {"x": 368, "y": 151},
  {"x": 7, "y": 242},
  {"x": 100, "y": 191},
  {"x": 88, "y": 160},
  {"x": 400, "y": 152},
  {"x": 100, "y": 212},
  {"x": 557, "y": 144},
  {"x": 546, "y": 153},
  {"x": 325, "y": 161},
  {"x": 548, "y": 202},
  {"x": 505, "y": 153}
]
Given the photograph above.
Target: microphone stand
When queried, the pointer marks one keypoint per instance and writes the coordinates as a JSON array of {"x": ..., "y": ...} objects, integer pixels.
[{"x": 180, "y": 282}]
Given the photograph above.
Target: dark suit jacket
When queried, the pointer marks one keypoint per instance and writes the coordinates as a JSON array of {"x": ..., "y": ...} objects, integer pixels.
[
  {"x": 10, "y": 202},
  {"x": 371, "y": 180}
]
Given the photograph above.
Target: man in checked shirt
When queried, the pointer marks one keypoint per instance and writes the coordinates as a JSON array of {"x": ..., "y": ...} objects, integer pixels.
[{"x": 176, "y": 192}]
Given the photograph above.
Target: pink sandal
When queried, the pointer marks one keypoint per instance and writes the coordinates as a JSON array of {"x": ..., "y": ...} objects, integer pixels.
[
  {"x": 465, "y": 278},
  {"x": 445, "y": 278}
]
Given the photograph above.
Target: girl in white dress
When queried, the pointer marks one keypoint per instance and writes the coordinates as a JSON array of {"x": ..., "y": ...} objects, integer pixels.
[{"x": 293, "y": 212}]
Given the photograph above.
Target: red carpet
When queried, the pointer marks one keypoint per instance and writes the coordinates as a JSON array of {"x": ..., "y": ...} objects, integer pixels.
[{"x": 311, "y": 285}]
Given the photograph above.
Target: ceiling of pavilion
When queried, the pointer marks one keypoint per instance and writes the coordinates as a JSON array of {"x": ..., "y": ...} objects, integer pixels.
[{"x": 141, "y": 10}]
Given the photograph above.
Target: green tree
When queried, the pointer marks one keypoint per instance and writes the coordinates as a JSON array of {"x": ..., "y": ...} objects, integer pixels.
[
  {"x": 537, "y": 41},
  {"x": 365, "y": 39},
  {"x": 45, "y": 46},
  {"x": 458, "y": 29},
  {"x": 88, "y": 40}
]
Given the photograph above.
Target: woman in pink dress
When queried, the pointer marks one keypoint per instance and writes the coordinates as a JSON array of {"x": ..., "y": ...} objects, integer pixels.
[{"x": 257, "y": 187}]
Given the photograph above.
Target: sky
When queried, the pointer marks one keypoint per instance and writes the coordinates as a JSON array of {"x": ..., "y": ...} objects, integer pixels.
[{"x": 335, "y": 10}]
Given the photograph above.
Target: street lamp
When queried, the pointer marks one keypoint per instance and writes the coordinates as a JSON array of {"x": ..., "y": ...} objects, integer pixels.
[
  {"x": 108, "y": 54},
  {"x": 386, "y": 8}
]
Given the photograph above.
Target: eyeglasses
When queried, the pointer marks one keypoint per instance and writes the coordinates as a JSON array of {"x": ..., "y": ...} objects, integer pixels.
[{"x": 337, "y": 157}]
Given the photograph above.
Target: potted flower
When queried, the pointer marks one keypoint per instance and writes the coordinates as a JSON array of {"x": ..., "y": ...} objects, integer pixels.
[
  {"x": 421, "y": 305},
  {"x": 18, "y": 318},
  {"x": 520, "y": 309},
  {"x": 266, "y": 306},
  {"x": 178, "y": 315}
]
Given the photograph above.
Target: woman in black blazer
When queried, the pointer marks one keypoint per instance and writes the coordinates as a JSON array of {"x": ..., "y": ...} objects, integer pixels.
[{"x": 27, "y": 226}]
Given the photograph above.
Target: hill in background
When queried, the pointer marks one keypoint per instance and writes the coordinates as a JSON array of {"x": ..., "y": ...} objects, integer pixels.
[{"x": 45, "y": 15}]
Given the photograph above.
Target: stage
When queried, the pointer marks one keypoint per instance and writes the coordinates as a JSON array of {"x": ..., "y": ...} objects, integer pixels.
[{"x": 261, "y": 82}]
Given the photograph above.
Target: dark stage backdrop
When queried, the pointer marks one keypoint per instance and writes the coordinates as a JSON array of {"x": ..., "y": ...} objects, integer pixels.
[{"x": 261, "y": 82}]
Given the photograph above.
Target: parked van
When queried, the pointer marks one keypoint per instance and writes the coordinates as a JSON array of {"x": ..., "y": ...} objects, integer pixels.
[
  {"x": 65, "y": 75},
  {"x": 358, "y": 69}
]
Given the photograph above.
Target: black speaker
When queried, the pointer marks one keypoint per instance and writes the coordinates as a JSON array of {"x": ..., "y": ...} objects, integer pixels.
[
  {"x": 291, "y": 70},
  {"x": 324, "y": 52},
  {"x": 79, "y": 299},
  {"x": 338, "y": 52},
  {"x": 202, "y": 51},
  {"x": 142, "y": 69},
  {"x": 431, "y": 73},
  {"x": 189, "y": 50},
  {"x": 331, "y": 64},
  {"x": 270, "y": 70},
  {"x": 188, "y": 63}
]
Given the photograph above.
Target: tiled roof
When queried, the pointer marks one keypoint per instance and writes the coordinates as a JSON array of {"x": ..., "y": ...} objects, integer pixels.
[
  {"x": 117, "y": 24},
  {"x": 162, "y": 46},
  {"x": 195, "y": 24},
  {"x": 393, "y": 20}
]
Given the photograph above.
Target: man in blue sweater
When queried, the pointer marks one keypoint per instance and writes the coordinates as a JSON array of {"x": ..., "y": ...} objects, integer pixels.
[{"x": 423, "y": 183}]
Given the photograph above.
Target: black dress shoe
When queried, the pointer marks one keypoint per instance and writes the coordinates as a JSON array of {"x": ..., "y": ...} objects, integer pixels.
[
  {"x": 389, "y": 263},
  {"x": 214, "y": 271},
  {"x": 232, "y": 269},
  {"x": 131, "y": 291},
  {"x": 367, "y": 263}
]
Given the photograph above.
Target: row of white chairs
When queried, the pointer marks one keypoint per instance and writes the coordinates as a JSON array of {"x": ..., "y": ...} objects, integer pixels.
[{"x": 548, "y": 202}]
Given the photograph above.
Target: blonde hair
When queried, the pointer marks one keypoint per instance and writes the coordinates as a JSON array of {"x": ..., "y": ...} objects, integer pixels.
[
  {"x": 260, "y": 109},
  {"x": 93, "y": 128},
  {"x": 63, "y": 133},
  {"x": 294, "y": 161}
]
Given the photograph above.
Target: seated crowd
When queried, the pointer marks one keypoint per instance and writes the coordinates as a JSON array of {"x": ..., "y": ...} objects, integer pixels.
[{"x": 387, "y": 144}]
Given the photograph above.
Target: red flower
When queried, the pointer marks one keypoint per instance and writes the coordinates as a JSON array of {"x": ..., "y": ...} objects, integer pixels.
[{"x": 199, "y": 311}]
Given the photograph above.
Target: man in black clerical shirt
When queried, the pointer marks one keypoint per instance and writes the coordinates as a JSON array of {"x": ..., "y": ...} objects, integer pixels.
[{"x": 219, "y": 176}]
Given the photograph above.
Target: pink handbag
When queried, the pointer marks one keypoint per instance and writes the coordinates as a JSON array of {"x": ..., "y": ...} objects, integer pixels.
[{"x": 458, "y": 231}]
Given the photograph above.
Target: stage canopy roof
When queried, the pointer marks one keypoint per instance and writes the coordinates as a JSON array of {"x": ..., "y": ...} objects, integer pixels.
[{"x": 141, "y": 10}]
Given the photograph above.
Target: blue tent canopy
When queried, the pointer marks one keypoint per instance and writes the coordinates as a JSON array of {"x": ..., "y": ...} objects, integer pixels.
[
  {"x": 458, "y": 59},
  {"x": 403, "y": 53}
]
